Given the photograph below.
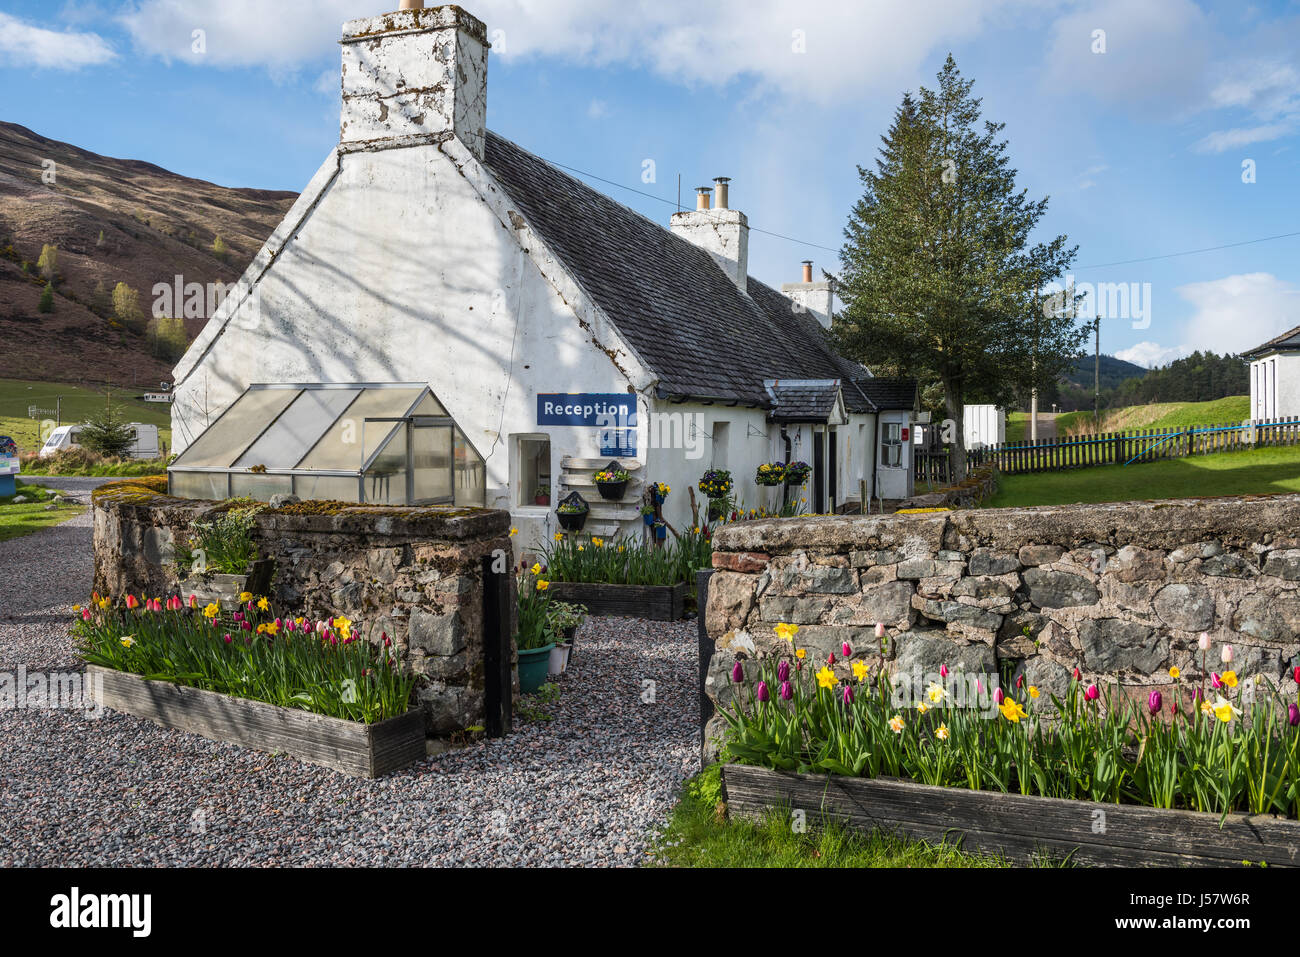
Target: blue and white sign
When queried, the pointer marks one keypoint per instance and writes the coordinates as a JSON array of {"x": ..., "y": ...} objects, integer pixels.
[
  {"x": 620, "y": 443},
  {"x": 614, "y": 410}
]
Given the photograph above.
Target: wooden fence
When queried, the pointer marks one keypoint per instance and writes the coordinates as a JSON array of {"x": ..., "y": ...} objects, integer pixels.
[{"x": 1115, "y": 448}]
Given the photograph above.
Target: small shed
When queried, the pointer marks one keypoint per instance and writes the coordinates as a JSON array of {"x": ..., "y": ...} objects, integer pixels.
[
  {"x": 983, "y": 425},
  {"x": 388, "y": 443}
]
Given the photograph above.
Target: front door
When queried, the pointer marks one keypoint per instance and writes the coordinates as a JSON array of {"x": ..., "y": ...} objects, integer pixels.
[{"x": 819, "y": 472}]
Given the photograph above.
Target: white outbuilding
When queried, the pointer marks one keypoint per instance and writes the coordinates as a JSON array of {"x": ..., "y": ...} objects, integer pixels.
[
  {"x": 506, "y": 324},
  {"x": 1275, "y": 377}
]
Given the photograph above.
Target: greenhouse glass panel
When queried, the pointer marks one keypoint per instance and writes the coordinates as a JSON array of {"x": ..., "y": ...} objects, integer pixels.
[
  {"x": 212, "y": 486},
  {"x": 259, "y": 486},
  {"x": 326, "y": 488},
  {"x": 350, "y": 441},
  {"x": 385, "y": 479},
  {"x": 234, "y": 431},
  {"x": 429, "y": 405},
  {"x": 431, "y": 463},
  {"x": 471, "y": 475},
  {"x": 298, "y": 428}
]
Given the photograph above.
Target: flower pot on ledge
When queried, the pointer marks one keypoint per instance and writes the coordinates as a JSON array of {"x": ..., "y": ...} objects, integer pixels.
[{"x": 612, "y": 491}]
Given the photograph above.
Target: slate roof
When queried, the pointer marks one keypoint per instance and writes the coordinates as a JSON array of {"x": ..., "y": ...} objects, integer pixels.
[
  {"x": 803, "y": 400},
  {"x": 701, "y": 336},
  {"x": 1287, "y": 340},
  {"x": 890, "y": 393}
]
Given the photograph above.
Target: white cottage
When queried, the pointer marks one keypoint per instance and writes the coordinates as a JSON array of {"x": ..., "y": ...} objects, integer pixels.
[
  {"x": 443, "y": 316},
  {"x": 1275, "y": 377}
]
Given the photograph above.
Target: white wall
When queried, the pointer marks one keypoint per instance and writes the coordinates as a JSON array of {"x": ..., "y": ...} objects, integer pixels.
[
  {"x": 983, "y": 425},
  {"x": 896, "y": 483},
  {"x": 1275, "y": 386}
]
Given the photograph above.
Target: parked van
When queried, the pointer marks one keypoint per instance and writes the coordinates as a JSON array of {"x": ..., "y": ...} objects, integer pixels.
[{"x": 145, "y": 445}]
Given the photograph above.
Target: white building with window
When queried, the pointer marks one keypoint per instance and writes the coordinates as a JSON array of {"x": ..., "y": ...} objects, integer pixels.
[
  {"x": 1275, "y": 377},
  {"x": 554, "y": 328}
]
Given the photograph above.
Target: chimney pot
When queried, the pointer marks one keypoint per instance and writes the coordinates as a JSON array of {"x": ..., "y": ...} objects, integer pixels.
[
  {"x": 411, "y": 5},
  {"x": 702, "y": 196},
  {"x": 807, "y": 270},
  {"x": 721, "y": 183}
]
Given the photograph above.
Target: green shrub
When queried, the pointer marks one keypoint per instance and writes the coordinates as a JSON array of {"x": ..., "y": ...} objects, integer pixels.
[{"x": 224, "y": 545}]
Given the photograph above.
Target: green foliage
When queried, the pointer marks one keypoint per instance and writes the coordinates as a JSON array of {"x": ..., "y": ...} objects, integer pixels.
[
  {"x": 167, "y": 338},
  {"x": 1098, "y": 746},
  {"x": 940, "y": 279},
  {"x": 223, "y": 546},
  {"x": 126, "y": 307},
  {"x": 333, "y": 672},
  {"x": 47, "y": 298},
  {"x": 535, "y": 626},
  {"x": 83, "y": 462},
  {"x": 106, "y": 433},
  {"x": 533, "y": 707},
  {"x": 220, "y": 249},
  {"x": 619, "y": 561},
  {"x": 48, "y": 264}
]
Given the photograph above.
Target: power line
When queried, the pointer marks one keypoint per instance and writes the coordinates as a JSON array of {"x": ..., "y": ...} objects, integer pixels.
[
  {"x": 1191, "y": 252},
  {"x": 641, "y": 192}
]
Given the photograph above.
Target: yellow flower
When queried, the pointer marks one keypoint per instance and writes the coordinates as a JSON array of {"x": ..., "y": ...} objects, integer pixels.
[
  {"x": 695, "y": 529},
  {"x": 859, "y": 671},
  {"x": 581, "y": 548},
  {"x": 935, "y": 693},
  {"x": 542, "y": 584},
  {"x": 896, "y": 724},
  {"x": 559, "y": 536},
  {"x": 1229, "y": 678},
  {"x": 922, "y": 707},
  {"x": 105, "y": 603},
  {"x": 128, "y": 641},
  {"x": 272, "y": 628},
  {"x": 1033, "y": 692},
  {"x": 786, "y": 632},
  {"x": 620, "y": 548},
  {"x": 1224, "y": 709},
  {"x": 941, "y": 732},
  {"x": 514, "y": 531},
  {"x": 1207, "y": 708},
  {"x": 537, "y": 568},
  {"x": 343, "y": 626},
  {"x": 1174, "y": 672},
  {"x": 212, "y": 610},
  {"x": 299, "y": 621},
  {"x": 1011, "y": 710},
  {"x": 598, "y": 542},
  {"x": 800, "y": 653},
  {"x": 826, "y": 678},
  {"x": 261, "y": 628},
  {"x": 263, "y": 604},
  {"x": 245, "y": 596}
]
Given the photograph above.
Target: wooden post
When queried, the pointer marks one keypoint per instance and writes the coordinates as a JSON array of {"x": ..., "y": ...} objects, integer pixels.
[
  {"x": 498, "y": 704},
  {"x": 705, "y": 646}
]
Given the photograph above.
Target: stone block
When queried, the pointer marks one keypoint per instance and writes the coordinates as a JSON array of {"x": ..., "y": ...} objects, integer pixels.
[
  {"x": 1185, "y": 606},
  {"x": 1056, "y": 589},
  {"x": 1113, "y": 645}
]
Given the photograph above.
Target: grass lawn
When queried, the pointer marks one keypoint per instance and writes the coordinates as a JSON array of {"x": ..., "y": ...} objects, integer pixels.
[
  {"x": 24, "y": 518},
  {"x": 16, "y": 395},
  {"x": 697, "y": 837},
  {"x": 1253, "y": 472},
  {"x": 1160, "y": 415}
]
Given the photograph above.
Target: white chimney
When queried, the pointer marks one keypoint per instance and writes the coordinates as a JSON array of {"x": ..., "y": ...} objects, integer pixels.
[
  {"x": 722, "y": 232},
  {"x": 815, "y": 298},
  {"x": 415, "y": 75}
]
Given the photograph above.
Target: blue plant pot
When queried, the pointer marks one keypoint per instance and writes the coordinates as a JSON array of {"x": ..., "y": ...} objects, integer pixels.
[
  {"x": 534, "y": 663},
  {"x": 661, "y": 532},
  {"x": 649, "y": 519}
]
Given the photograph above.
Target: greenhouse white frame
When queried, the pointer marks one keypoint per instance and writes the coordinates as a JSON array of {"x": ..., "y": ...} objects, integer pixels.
[{"x": 298, "y": 438}]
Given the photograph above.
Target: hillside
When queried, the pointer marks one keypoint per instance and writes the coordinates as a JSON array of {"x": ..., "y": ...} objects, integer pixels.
[
  {"x": 113, "y": 220},
  {"x": 1158, "y": 415},
  {"x": 1112, "y": 372}
]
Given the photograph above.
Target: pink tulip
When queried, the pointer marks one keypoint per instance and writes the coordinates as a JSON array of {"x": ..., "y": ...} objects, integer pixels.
[
  {"x": 1154, "y": 703},
  {"x": 1216, "y": 680},
  {"x": 783, "y": 671},
  {"x": 848, "y": 651},
  {"x": 737, "y": 673},
  {"x": 1092, "y": 693},
  {"x": 1197, "y": 694},
  {"x": 247, "y": 626},
  {"x": 786, "y": 691},
  {"x": 943, "y": 671},
  {"x": 848, "y": 694},
  {"x": 1226, "y": 654},
  {"x": 1293, "y": 715},
  {"x": 85, "y": 614},
  {"x": 1296, "y": 675},
  {"x": 237, "y": 615},
  {"x": 761, "y": 693},
  {"x": 227, "y": 637},
  {"x": 998, "y": 696},
  {"x": 979, "y": 686},
  {"x": 1203, "y": 642},
  {"x": 880, "y": 629}
]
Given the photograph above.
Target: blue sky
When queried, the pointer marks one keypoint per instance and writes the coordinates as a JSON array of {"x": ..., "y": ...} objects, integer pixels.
[{"x": 1138, "y": 133}]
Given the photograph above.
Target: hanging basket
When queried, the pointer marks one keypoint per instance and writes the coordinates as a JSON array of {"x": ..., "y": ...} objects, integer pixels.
[
  {"x": 573, "y": 521},
  {"x": 612, "y": 490}
]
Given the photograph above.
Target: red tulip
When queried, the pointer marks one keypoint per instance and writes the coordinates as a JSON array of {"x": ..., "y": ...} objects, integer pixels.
[
  {"x": 1296, "y": 675},
  {"x": 387, "y": 641},
  {"x": 848, "y": 651},
  {"x": 737, "y": 673},
  {"x": 830, "y": 659},
  {"x": 943, "y": 671},
  {"x": 1020, "y": 682},
  {"x": 227, "y": 637},
  {"x": 762, "y": 694},
  {"x": 194, "y": 601},
  {"x": 998, "y": 696},
  {"x": 1077, "y": 676},
  {"x": 131, "y": 602}
]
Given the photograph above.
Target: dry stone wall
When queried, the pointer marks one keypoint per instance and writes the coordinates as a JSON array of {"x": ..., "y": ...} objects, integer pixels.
[
  {"x": 412, "y": 573},
  {"x": 1120, "y": 592}
]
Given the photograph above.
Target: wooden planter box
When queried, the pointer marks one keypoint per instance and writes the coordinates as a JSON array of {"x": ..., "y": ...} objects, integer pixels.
[
  {"x": 656, "y": 602},
  {"x": 226, "y": 589},
  {"x": 1020, "y": 828},
  {"x": 361, "y": 750}
]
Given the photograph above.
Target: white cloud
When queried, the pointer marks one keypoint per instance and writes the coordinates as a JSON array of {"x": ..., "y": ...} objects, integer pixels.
[
  {"x": 1239, "y": 312},
  {"x": 849, "y": 47},
  {"x": 1151, "y": 355},
  {"x": 597, "y": 109},
  {"x": 1221, "y": 141},
  {"x": 24, "y": 45}
]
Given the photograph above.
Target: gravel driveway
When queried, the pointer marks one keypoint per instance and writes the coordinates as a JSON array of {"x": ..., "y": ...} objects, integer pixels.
[{"x": 586, "y": 788}]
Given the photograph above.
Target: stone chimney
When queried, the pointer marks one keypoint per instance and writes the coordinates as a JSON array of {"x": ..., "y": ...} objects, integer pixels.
[
  {"x": 720, "y": 231},
  {"x": 413, "y": 76},
  {"x": 815, "y": 298}
]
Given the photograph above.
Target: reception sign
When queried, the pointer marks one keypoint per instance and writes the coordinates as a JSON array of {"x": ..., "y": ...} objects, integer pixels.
[{"x": 614, "y": 410}]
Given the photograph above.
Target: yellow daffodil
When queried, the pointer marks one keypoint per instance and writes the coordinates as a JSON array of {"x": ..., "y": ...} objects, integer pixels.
[
  {"x": 941, "y": 732},
  {"x": 106, "y": 603},
  {"x": 922, "y": 707},
  {"x": 582, "y": 548},
  {"x": 896, "y": 724},
  {"x": 859, "y": 671},
  {"x": 1011, "y": 710},
  {"x": 128, "y": 641},
  {"x": 801, "y": 653},
  {"x": 344, "y": 627},
  {"x": 245, "y": 596},
  {"x": 1033, "y": 692},
  {"x": 542, "y": 584},
  {"x": 598, "y": 542},
  {"x": 620, "y": 548},
  {"x": 211, "y": 610},
  {"x": 786, "y": 632},
  {"x": 263, "y": 604},
  {"x": 1224, "y": 709},
  {"x": 514, "y": 531},
  {"x": 826, "y": 678},
  {"x": 1174, "y": 672},
  {"x": 1207, "y": 708},
  {"x": 537, "y": 568},
  {"x": 1229, "y": 678},
  {"x": 935, "y": 693},
  {"x": 261, "y": 629},
  {"x": 559, "y": 536},
  {"x": 272, "y": 628}
]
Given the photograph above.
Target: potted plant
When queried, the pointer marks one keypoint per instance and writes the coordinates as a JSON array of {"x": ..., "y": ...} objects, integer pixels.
[
  {"x": 660, "y": 530},
  {"x": 796, "y": 473},
  {"x": 716, "y": 486},
  {"x": 566, "y": 617},
  {"x": 535, "y": 637},
  {"x": 659, "y": 492},
  {"x": 542, "y": 496},
  {"x": 572, "y": 512},
  {"x": 611, "y": 482},
  {"x": 770, "y": 473},
  {"x": 648, "y": 514}
]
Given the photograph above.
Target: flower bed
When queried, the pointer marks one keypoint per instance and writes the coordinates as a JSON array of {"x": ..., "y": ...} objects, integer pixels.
[
  {"x": 1206, "y": 750},
  {"x": 621, "y": 577}
]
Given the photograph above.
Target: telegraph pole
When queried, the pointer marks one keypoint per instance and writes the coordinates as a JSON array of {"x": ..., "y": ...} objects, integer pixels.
[{"x": 1096, "y": 372}]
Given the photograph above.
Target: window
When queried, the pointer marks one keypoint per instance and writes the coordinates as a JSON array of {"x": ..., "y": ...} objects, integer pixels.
[
  {"x": 891, "y": 445},
  {"x": 533, "y": 468},
  {"x": 721, "y": 431}
]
